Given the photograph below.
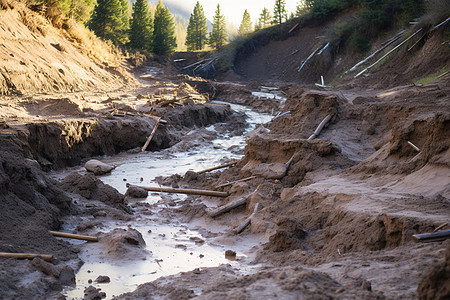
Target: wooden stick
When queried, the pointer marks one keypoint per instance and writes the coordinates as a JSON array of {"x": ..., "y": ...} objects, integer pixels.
[
  {"x": 151, "y": 135},
  {"x": 432, "y": 237},
  {"x": 187, "y": 132},
  {"x": 218, "y": 167},
  {"x": 309, "y": 57},
  {"x": 440, "y": 227},
  {"x": 320, "y": 127},
  {"x": 227, "y": 207},
  {"x": 323, "y": 49},
  {"x": 75, "y": 236},
  {"x": 247, "y": 221},
  {"x": 439, "y": 25},
  {"x": 233, "y": 182},
  {"x": 414, "y": 146},
  {"x": 46, "y": 257},
  {"x": 395, "y": 48},
  {"x": 185, "y": 191},
  {"x": 295, "y": 26},
  {"x": 280, "y": 115}
]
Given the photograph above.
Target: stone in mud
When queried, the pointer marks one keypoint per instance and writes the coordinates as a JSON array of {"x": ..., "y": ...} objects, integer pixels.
[
  {"x": 91, "y": 293},
  {"x": 136, "y": 192},
  {"x": 268, "y": 171},
  {"x": 124, "y": 244},
  {"x": 103, "y": 279},
  {"x": 97, "y": 167}
]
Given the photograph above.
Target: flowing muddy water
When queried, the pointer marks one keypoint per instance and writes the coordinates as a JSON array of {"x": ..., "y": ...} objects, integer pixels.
[{"x": 174, "y": 246}]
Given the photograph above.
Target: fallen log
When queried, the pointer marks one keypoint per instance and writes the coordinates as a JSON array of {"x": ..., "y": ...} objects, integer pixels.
[
  {"x": 323, "y": 49},
  {"x": 320, "y": 127},
  {"x": 309, "y": 57},
  {"x": 46, "y": 257},
  {"x": 432, "y": 237},
  {"x": 227, "y": 207},
  {"x": 75, "y": 236},
  {"x": 185, "y": 191},
  {"x": 395, "y": 48},
  {"x": 236, "y": 181},
  {"x": 247, "y": 221},
  {"x": 440, "y": 24},
  {"x": 218, "y": 167},
  {"x": 151, "y": 135}
]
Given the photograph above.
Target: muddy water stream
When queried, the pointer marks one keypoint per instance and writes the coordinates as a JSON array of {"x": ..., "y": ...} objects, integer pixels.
[{"x": 173, "y": 246}]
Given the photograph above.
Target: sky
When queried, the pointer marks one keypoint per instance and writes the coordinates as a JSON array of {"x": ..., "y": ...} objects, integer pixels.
[{"x": 233, "y": 9}]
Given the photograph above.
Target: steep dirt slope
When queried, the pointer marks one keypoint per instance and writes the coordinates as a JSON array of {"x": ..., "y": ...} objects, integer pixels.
[{"x": 36, "y": 57}]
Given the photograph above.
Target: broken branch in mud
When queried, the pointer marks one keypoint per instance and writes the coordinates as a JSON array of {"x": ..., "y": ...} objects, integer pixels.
[
  {"x": 187, "y": 132},
  {"x": 218, "y": 167},
  {"x": 227, "y": 207},
  {"x": 320, "y": 127},
  {"x": 280, "y": 115},
  {"x": 395, "y": 48},
  {"x": 440, "y": 227},
  {"x": 46, "y": 257},
  {"x": 75, "y": 236},
  {"x": 309, "y": 57},
  {"x": 432, "y": 237},
  {"x": 414, "y": 146},
  {"x": 247, "y": 221},
  {"x": 185, "y": 191},
  {"x": 233, "y": 182},
  {"x": 151, "y": 135}
]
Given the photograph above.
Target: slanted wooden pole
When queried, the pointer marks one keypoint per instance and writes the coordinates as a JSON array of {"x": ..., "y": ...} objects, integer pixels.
[
  {"x": 151, "y": 135},
  {"x": 185, "y": 191},
  {"x": 320, "y": 127},
  {"x": 46, "y": 257},
  {"x": 218, "y": 167},
  {"x": 75, "y": 236},
  {"x": 247, "y": 221},
  {"x": 236, "y": 181},
  {"x": 432, "y": 237}
]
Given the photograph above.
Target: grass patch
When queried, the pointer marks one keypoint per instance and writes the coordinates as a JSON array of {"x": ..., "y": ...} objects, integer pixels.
[{"x": 431, "y": 78}]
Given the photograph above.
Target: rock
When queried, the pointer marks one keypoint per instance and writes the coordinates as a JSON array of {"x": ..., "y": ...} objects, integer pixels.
[
  {"x": 230, "y": 254},
  {"x": 123, "y": 243},
  {"x": 136, "y": 192},
  {"x": 97, "y": 167},
  {"x": 91, "y": 293},
  {"x": 103, "y": 279}
]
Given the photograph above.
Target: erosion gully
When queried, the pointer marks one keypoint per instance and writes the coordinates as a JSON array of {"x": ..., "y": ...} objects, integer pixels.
[{"x": 173, "y": 245}]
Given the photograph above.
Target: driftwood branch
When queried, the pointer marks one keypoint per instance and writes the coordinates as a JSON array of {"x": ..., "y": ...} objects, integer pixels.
[
  {"x": 26, "y": 256},
  {"x": 395, "y": 48},
  {"x": 432, "y": 237},
  {"x": 218, "y": 167},
  {"x": 440, "y": 227},
  {"x": 227, "y": 207},
  {"x": 75, "y": 236},
  {"x": 233, "y": 182},
  {"x": 320, "y": 127},
  {"x": 247, "y": 221},
  {"x": 185, "y": 191},
  {"x": 151, "y": 135},
  {"x": 309, "y": 57},
  {"x": 280, "y": 115}
]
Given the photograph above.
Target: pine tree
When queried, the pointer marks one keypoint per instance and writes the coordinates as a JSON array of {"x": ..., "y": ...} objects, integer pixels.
[
  {"x": 218, "y": 35},
  {"x": 264, "y": 20},
  {"x": 197, "y": 29},
  {"x": 108, "y": 20},
  {"x": 246, "y": 24},
  {"x": 164, "y": 41},
  {"x": 141, "y": 28},
  {"x": 279, "y": 12},
  {"x": 302, "y": 8}
]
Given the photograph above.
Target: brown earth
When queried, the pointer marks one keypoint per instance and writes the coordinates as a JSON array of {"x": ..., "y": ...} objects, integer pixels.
[{"x": 336, "y": 213}]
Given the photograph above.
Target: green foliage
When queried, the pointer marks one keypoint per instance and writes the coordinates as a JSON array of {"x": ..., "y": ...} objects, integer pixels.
[
  {"x": 197, "y": 29},
  {"x": 246, "y": 24},
  {"x": 323, "y": 9},
  {"x": 164, "y": 41},
  {"x": 279, "y": 12},
  {"x": 359, "y": 42},
  {"x": 110, "y": 20},
  {"x": 141, "y": 28},
  {"x": 218, "y": 35},
  {"x": 264, "y": 20},
  {"x": 301, "y": 9}
]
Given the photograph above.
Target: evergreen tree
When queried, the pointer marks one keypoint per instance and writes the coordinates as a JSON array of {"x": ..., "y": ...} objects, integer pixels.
[
  {"x": 164, "y": 41},
  {"x": 264, "y": 19},
  {"x": 246, "y": 24},
  {"x": 108, "y": 20},
  {"x": 218, "y": 35},
  {"x": 279, "y": 12},
  {"x": 302, "y": 8},
  {"x": 141, "y": 28},
  {"x": 197, "y": 29}
]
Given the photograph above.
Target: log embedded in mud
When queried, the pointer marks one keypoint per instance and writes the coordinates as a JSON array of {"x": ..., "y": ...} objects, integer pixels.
[
  {"x": 395, "y": 48},
  {"x": 247, "y": 221},
  {"x": 46, "y": 257},
  {"x": 218, "y": 167},
  {"x": 320, "y": 127},
  {"x": 151, "y": 135},
  {"x": 227, "y": 207},
  {"x": 233, "y": 182},
  {"x": 185, "y": 191},
  {"x": 75, "y": 236},
  {"x": 432, "y": 237}
]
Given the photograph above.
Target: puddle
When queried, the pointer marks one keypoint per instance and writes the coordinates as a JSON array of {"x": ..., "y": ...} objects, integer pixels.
[{"x": 175, "y": 247}]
